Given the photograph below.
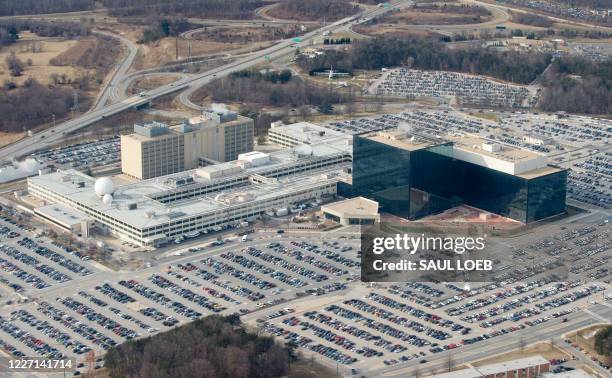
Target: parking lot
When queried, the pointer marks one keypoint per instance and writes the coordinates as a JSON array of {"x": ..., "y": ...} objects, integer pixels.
[
  {"x": 302, "y": 288},
  {"x": 472, "y": 90},
  {"x": 83, "y": 155},
  {"x": 576, "y": 142}
]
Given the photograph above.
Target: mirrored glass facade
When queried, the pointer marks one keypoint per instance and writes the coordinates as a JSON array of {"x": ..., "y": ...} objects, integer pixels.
[{"x": 414, "y": 184}]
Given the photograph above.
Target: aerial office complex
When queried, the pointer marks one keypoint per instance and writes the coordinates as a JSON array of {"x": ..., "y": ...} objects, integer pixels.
[
  {"x": 158, "y": 210},
  {"x": 155, "y": 149},
  {"x": 408, "y": 175},
  {"x": 414, "y": 176}
]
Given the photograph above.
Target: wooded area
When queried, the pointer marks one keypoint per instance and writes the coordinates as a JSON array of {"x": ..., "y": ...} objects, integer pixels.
[
  {"x": 578, "y": 85},
  {"x": 211, "y": 347},
  {"x": 63, "y": 29},
  {"x": 32, "y": 104},
  {"x": 315, "y": 9},
  {"x": 165, "y": 27},
  {"x": 235, "y": 9},
  {"x": 22, "y": 7},
  {"x": 273, "y": 90},
  {"x": 431, "y": 54},
  {"x": 532, "y": 19},
  {"x": 603, "y": 341}
]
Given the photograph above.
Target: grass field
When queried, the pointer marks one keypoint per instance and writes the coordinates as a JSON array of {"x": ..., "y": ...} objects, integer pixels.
[{"x": 40, "y": 69}]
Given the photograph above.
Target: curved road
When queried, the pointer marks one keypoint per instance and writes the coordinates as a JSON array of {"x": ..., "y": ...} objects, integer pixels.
[
  {"x": 55, "y": 134},
  {"x": 120, "y": 71}
]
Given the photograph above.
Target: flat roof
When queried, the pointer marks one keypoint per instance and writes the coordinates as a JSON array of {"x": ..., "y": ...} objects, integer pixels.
[
  {"x": 463, "y": 373},
  {"x": 526, "y": 164},
  {"x": 507, "y": 153},
  {"x": 540, "y": 172},
  {"x": 307, "y": 132},
  {"x": 79, "y": 187},
  {"x": 578, "y": 373},
  {"x": 62, "y": 214},
  {"x": 357, "y": 206},
  {"x": 149, "y": 212},
  {"x": 402, "y": 139},
  {"x": 512, "y": 365},
  {"x": 492, "y": 369}
]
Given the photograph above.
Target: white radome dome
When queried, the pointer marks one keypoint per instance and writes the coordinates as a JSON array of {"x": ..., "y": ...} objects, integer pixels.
[
  {"x": 107, "y": 199},
  {"x": 103, "y": 186}
]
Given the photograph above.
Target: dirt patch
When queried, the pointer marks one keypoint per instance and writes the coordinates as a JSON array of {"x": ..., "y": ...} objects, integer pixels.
[
  {"x": 304, "y": 368},
  {"x": 8, "y": 138},
  {"x": 150, "y": 82},
  {"x": 545, "y": 350},
  {"x": 585, "y": 339},
  {"x": 248, "y": 35},
  {"x": 165, "y": 51}
]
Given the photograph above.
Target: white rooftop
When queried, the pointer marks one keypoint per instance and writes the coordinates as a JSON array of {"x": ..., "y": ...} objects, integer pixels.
[
  {"x": 308, "y": 133},
  {"x": 135, "y": 204}
]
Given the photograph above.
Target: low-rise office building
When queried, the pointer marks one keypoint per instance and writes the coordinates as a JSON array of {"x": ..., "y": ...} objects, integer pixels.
[
  {"x": 158, "y": 210},
  {"x": 352, "y": 211},
  {"x": 528, "y": 367}
]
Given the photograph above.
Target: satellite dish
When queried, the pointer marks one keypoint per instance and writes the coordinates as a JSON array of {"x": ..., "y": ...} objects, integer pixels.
[
  {"x": 103, "y": 186},
  {"x": 107, "y": 199}
]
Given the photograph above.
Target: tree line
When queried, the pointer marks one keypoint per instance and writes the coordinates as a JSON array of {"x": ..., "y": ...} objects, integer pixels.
[
  {"x": 63, "y": 29},
  {"x": 8, "y": 35},
  {"x": 256, "y": 89},
  {"x": 32, "y": 104},
  {"x": 164, "y": 27},
  {"x": 211, "y": 347},
  {"x": 23, "y": 7},
  {"x": 236, "y": 9},
  {"x": 532, "y": 19},
  {"x": 431, "y": 54},
  {"x": 603, "y": 341},
  {"x": 578, "y": 85}
]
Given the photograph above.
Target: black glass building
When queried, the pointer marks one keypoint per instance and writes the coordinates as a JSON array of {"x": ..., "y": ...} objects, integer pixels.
[{"x": 427, "y": 179}]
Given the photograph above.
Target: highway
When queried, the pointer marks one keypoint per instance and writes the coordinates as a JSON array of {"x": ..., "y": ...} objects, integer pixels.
[
  {"x": 120, "y": 71},
  {"x": 48, "y": 137}
]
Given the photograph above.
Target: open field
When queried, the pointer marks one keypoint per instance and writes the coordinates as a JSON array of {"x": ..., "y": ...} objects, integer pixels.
[
  {"x": 41, "y": 69},
  {"x": 335, "y": 10},
  {"x": 7, "y": 138},
  {"x": 247, "y": 34},
  {"x": 439, "y": 15}
]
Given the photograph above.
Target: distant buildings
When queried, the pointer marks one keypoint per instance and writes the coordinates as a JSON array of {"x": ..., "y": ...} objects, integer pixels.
[{"x": 155, "y": 149}]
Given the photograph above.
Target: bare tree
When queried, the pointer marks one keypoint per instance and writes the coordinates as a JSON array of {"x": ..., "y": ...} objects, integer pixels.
[{"x": 14, "y": 64}]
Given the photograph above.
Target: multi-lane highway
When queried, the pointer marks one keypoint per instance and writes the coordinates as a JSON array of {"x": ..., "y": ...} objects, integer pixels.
[
  {"x": 55, "y": 134},
  {"x": 120, "y": 71}
]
